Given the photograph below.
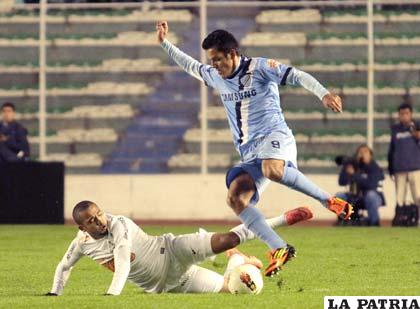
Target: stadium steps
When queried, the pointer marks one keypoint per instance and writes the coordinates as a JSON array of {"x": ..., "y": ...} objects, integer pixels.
[
  {"x": 149, "y": 138},
  {"x": 391, "y": 71},
  {"x": 156, "y": 132},
  {"x": 84, "y": 163},
  {"x": 314, "y": 120},
  {"x": 220, "y": 163},
  {"x": 82, "y": 117},
  {"x": 298, "y": 46},
  {"x": 94, "y": 21},
  {"x": 344, "y": 20},
  {"x": 74, "y": 94},
  {"x": 191, "y": 163},
  {"x": 75, "y": 141},
  {"x": 84, "y": 47},
  {"x": 149, "y": 71},
  {"x": 320, "y": 142},
  {"x": 116, "y": 51},
  {"x": 177, "y": 98}
]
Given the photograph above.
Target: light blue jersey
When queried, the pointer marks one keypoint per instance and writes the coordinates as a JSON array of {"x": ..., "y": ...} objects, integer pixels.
[{"x": 250, "y": 95}]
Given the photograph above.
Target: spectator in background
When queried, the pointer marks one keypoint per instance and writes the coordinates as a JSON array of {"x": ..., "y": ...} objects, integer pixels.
[
  {"x": 14, "y": 144},
  {"x": 404, "y": 161},
  {"x": 365, "y": 178}
]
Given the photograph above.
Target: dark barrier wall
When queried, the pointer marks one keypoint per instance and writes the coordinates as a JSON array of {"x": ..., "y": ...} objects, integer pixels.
[{"x": 32, "y": 192}]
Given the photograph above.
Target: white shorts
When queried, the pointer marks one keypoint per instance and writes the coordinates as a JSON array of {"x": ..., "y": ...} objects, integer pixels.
[{"x": 183, "y": 275}]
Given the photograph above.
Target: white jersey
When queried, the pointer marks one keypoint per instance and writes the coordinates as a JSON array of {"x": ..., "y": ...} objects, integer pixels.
[
  {"x": 148, "y": 261},
  {"x": 155, "y": 263}
]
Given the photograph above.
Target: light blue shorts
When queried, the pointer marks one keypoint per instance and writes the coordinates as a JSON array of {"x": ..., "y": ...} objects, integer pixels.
[{"x": 279, "y": 145}]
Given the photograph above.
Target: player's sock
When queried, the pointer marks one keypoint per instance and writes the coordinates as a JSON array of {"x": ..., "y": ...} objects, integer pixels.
[
  {"x": 234, "y": 260},
  {"x": 294, "y": 179},
  {"x": 253, "y": 219},
  {"x": 245, "y": 234}
]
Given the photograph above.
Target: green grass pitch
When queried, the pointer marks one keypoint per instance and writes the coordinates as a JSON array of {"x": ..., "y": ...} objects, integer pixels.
[{"x": 331, "y": 261}]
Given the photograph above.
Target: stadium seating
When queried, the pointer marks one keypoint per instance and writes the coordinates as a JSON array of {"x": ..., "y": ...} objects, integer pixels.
[
  {"x": 78, "y": 163},
  {"x": 89, "y": 21},
  {"x": 101, "y": 65},
  {"x": 106, "y": 73},
  {"x": 334, "y": 46},
  {"x": 131, "y": 44},
  {"x": 71, "y": 145},
  {"x": 318, "y": 42},
  {"x": 116, "y": 116},
  {"x": 69, "y": 95},
  {"x": 341, "y": 20}
]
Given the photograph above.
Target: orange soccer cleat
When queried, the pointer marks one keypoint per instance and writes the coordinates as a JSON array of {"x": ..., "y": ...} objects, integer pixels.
[
  {"x": 342, "y": 208},
  {"x": 278, "y": 258}
]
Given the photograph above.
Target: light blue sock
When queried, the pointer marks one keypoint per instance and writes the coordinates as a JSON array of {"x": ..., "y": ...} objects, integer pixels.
[
  {"x": 294, "y": 179},
  {"x": 253, "y": 219}
]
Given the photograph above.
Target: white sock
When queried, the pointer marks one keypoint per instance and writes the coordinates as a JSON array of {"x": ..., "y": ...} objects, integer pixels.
[
  {"x": 245, "y": 234},
  {"x": 234, "y": 260}
]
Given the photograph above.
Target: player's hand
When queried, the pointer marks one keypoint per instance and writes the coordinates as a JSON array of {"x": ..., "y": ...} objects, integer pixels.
[
  {"x": 51, "y": 294},
  {"x": 162, "y": 29},
  {"x": 333, "y": 102}
]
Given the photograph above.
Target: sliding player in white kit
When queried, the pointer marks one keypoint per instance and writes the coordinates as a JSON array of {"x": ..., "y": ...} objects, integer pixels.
[{"x": 156, "y": 264}]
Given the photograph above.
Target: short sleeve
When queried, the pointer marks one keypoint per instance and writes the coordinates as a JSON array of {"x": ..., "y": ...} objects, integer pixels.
[{"x": 274, "y": 71}]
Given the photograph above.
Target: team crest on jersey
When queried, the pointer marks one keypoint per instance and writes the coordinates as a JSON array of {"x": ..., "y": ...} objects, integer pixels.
[
  {"x": 246, "y": 80},
  {"x": 273, "y": 63}
]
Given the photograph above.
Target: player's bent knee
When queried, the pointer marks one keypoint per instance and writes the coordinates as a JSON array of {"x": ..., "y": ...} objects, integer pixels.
[
  {"x": 241, "y": 191},
  {"x": 236, "y": 202}
]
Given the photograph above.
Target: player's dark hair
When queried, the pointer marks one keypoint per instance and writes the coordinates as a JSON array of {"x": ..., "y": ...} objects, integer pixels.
[
  {"x": 8, "y": 104},
  {"x": 221, "y": 40},
  {"x": 81, "y": 206},
  {"x": 405, "y": 106}
]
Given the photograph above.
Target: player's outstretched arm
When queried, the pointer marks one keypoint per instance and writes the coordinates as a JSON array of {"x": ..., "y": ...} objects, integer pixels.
[
  {"x": 63, "y": 270},
  {"x": 122, "y": 269},
  {"x": 122, "y": 254},
  {"x": 307, "y": 81},
  {"x": 186, "y": 62}
]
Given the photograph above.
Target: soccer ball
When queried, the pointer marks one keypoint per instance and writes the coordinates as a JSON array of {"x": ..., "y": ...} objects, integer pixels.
[{"x": 245, "y": 279}]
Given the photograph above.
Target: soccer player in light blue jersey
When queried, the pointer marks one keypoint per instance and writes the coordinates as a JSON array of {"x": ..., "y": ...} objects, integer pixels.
[{"x": 248, "y": 88}]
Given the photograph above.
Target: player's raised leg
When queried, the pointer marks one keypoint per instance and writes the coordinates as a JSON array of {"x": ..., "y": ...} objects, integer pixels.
[
  {"x": 277, "y": 171},
  {"x": 290, "y": 217},
  {"x": 194, "y": 248},
  {"x": 241, "y": 190}
]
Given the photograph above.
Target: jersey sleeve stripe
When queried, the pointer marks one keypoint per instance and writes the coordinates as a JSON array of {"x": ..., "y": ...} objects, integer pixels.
[{"x": 283, "y": 80}]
